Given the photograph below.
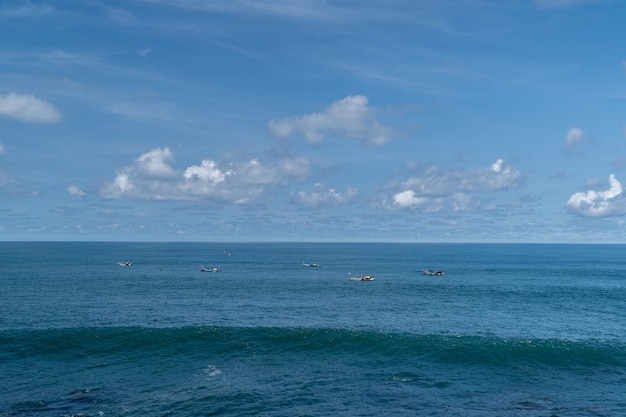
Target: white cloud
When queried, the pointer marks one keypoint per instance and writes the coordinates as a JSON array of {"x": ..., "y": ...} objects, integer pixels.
[
  {"x": 151, "y": 177},
  {"x": 599, "y": 203},
  {"x": 154, "y": 163},
  {"x": 435, "y": 189},
  {"x": 295, "y": 168},
  {"x": 206, "y": 172},
  {"x": 27, "y": 108},
  {"x": 408, "y": 198},
  {"x": 350, "y": 117},
  {"x": 464, "y": 202},
  {"x": 254, "y": 172},
  {"x": 574, "y": 136},
  {"x": 321, "y": 196},
  {"x": 120, "y": 186},
  {"x": 498, "y": 177},
  {"x": 75, "y": 191}
]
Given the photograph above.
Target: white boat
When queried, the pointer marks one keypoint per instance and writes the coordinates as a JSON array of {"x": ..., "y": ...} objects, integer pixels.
[
  {"x": 125, "y": 263},
  {"x": 360, "y": 277},
  {"x": 210, "y": 268},
  {"x": 433, "y": 272},
  {"x": 228, "y": 253},
  {"x": 310, "y": 265}
]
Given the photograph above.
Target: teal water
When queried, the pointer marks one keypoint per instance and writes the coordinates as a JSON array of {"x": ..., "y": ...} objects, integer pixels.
[{"x": 528, "y": 330}]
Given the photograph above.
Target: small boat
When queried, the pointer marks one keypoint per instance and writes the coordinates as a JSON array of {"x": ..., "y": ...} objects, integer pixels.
[
  {"x": 228, "y": 253},
  {"x": 433, "y": 272},
  {"x": 125, "y": 263},
  {"x": 310, "y": 265},
  {"x": 210, "y": 268},
  {"x": 360, "y": 277}
]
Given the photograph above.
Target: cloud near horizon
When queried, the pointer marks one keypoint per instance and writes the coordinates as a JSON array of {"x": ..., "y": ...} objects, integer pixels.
[
  {"x": 436, "y": 190},
  {"x": 151, "y": 177},
  {"x": 323, "y": 196},
  {"x": 350, "y": 117},
  {"x": 28, "y": 108},
  {"x": 611, "y": 202}
]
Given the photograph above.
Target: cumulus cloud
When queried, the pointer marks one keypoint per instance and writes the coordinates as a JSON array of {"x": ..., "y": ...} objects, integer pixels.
[
  {"x": 350, "y": 117},
  {"x": 435, "y": 189},
  {"x": 27, "y": 108},
  {"x": 322, "y": 196},
  {"x": 574, "y": 136},
  {"x": 151, "y": 177},
  {"x": 408, "y": 198},
  {"x": 207, "y": 172},
  {"x": 606, "y": 203},
  {"x": 154, "y": 163}
]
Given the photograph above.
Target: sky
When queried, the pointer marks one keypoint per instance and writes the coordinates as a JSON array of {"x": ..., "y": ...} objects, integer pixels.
[{"x": 313, "y": 120}]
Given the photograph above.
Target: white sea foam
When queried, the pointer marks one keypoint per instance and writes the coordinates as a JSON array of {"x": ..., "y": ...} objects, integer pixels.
[{"x": 212, "y": 371}]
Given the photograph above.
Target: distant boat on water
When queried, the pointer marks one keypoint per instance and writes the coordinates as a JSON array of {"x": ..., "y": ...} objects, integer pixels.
[
  {"x": 310, "y": 265},
  {"x": 210, "y": 268},
  {"x": 125, "y": 263},
  {"x": 228, "y": 253},
  {"x": 433, "y": 272},
  {"x": 360, "y": 277}
]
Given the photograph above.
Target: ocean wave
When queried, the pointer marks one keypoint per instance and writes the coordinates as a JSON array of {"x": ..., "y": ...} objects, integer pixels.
[{"x": 451, "y": 349}]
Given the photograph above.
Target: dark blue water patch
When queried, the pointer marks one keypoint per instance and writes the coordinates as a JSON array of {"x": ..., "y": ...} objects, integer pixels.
[
  {"x": 94, "y": 348},
  {"x": 298, "y": 371},
  {"x": 76, "y": 344},
  {"x": 87, "y": 342}
]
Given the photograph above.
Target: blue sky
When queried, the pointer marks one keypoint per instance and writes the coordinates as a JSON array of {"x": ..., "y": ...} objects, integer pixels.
[{"x": 313, "y": 120}]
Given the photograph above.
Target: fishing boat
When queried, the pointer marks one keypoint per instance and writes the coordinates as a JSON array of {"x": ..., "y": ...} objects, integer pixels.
[
  {"x": 125, "y": 263},
  {"x": 210, "y": 268},
  {"x": 310, "y": 265},
  {"x": 433, "y": 272},
  {"x": 360, "y": 277}
]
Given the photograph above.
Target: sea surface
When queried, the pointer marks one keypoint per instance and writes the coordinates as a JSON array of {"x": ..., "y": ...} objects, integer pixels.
[{"x": 509, "y": 330}]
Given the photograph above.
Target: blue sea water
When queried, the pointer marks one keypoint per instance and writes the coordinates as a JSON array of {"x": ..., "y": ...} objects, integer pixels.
[{"x": 509, "y": 330}]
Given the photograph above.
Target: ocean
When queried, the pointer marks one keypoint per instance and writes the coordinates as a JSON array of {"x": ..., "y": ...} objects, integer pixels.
[{"x": 509, "y": 330}]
